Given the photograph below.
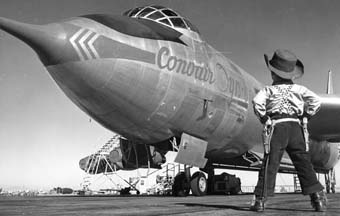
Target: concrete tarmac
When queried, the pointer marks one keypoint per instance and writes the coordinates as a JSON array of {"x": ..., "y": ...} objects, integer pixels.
[{"x": 281, "y": 204}]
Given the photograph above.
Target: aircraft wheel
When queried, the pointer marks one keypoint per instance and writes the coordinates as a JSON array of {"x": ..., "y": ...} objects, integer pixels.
[
  {"x": 199, "y": 184},
  {"x": 181, "y": 185}
]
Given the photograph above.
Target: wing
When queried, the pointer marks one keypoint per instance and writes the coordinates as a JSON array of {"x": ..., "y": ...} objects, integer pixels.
[{"x": 325, "y": 125}]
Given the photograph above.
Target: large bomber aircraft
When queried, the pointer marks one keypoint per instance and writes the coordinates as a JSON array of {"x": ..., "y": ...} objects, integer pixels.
[{"x": 148, "y": 76}]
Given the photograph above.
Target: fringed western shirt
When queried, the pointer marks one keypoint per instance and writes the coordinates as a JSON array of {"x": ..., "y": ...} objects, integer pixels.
[{"x": 285, "y": 99}]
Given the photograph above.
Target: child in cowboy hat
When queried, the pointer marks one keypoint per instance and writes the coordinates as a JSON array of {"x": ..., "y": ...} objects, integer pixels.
[{"x": 285, "y": 103}]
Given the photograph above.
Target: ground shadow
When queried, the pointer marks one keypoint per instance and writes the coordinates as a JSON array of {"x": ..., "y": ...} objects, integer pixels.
[
  {"x": 245, "y": 208},
  {"x": 238, "y": 208}
]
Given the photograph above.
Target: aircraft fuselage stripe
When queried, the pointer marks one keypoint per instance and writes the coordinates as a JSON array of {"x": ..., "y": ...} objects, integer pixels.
[
  {"x": 87, "y": 44},
  {"x": 91, "y": 41},
  {"x": 83, "y": 46},
  {"x": 82, "y": 41},
  {"x": 75, "y": 46}
]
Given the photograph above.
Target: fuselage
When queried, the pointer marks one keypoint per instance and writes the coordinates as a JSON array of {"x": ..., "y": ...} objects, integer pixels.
[{"x": 149, "y": 90}]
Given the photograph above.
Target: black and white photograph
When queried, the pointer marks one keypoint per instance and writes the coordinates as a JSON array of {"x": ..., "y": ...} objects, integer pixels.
[{"x": 169, "y": 107}]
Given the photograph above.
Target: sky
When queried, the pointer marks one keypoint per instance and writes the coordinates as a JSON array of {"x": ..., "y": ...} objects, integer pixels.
[{"x": 43, "y": 135}]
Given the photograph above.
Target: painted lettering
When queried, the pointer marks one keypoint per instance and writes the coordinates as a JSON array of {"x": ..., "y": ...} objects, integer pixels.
[
  {"x": 230, "y": 84},
  {"x": 162, "y": 51},
  {"x": 190, "y": 69},
  {"x": 172, "y": 63},
  {"x": 183, "y": 66}
]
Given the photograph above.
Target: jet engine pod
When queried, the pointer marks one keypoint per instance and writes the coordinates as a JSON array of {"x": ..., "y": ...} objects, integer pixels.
[
  {"x": 95, "y": 164},
  {"x": 324, "y": 155}
]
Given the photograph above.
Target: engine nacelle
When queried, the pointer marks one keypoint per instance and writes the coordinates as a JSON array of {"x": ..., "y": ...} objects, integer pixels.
[
  {"x": 324, "y": 155},
  {"x": 128, "y": 156}
]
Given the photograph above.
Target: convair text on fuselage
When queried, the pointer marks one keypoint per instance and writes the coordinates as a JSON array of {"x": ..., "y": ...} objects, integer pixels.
[{"x": 189, "y": 68}]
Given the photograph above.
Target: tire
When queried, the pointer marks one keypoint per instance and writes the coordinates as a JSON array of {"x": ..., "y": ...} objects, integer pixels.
[
  {"x": 198, "y": 184},
  {"x": 181, "y": 185}
]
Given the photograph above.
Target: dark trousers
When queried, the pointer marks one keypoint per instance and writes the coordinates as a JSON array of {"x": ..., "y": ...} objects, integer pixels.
[{"x": 289, "y": 136}]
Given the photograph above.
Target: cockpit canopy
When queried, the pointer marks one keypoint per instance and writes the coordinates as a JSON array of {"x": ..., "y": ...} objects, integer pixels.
[{"x": 161, "y": 15}]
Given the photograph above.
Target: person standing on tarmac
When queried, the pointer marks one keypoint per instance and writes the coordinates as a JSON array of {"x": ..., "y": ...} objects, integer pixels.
[{"x": 282, "y": 105}]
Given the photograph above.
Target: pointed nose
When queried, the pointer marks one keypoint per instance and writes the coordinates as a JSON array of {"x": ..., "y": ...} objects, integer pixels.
[{"x": 48, "y": 41}]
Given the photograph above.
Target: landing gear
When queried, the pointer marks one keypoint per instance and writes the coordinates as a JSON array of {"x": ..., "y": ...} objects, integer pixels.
[
  {"x": 330, "y": 181},
  {"x": 199, "y": 184},
  {"x": 181, "y": 186}
]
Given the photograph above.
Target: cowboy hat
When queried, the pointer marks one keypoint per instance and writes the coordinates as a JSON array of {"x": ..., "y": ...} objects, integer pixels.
[{"x": 285, "y": 64}]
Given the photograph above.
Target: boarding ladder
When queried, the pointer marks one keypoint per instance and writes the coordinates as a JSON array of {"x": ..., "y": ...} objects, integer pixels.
[{"x": 94, "y": 160}]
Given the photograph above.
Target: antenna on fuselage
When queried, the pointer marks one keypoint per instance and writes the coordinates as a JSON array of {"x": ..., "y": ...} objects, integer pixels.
[{"x": 330, "y": 83}]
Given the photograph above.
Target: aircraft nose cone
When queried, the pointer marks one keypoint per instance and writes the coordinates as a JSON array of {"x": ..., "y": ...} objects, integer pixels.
[{"x": 48, "y": 41}]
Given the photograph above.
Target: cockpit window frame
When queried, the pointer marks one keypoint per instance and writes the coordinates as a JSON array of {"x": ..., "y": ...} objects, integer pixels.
[
  {"x": 167, "y": 14},
  {"x": 134, "y": 11},
  {"x": 180, "y": 23},
  {"x": 171, "y": 12},
  {"x": 167, "y": 21},
  {"x": 146, "y": 11},
  {"x": 155, "y": 18}
]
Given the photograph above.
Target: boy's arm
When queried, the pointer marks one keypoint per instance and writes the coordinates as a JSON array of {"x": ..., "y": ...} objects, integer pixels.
[
  {"x": 312, "y": 103},
  {"x": 259, "y": 105}
]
